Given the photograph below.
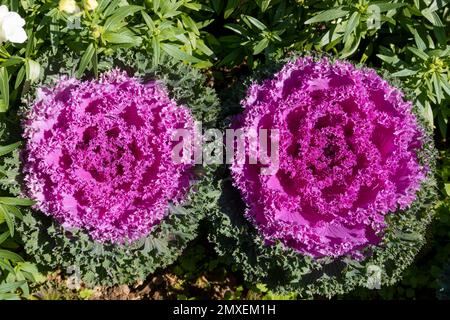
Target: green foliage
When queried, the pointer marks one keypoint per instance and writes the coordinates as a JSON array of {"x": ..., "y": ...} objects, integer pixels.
[
  {"x": 444, "y": 285},
  {"x": 406, "y": 37},
  {"x": 15, "y": 273},
  {"x": 409, "y": 38}
]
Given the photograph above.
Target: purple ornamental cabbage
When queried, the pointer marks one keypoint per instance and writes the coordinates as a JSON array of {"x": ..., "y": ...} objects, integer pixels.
[
  {"x": 348, "y": 144},
  {"x": 98, "y": 155}
]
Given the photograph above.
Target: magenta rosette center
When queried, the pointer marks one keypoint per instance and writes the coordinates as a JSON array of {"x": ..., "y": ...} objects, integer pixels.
[
  {"x": 99, "y": 155},
  {"x": 347, "y": 157}
]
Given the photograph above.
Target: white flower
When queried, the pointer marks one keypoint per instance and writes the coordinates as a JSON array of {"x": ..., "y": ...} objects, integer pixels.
[
  {"x": 68, "y": 6},
  {"x": 90, "y": 4},
  {"x": 11, "y": 26}
]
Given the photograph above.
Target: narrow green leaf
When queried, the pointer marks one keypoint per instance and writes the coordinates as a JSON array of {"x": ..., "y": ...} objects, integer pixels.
[
  {"x": 156, "y": 4},
  {"x": 447, "y": 188},
  {"x": 388, "y": 59},
  {"x": 119, "y": 15},
  {"x": 437, "y": 88},
  {"x": 328, "y": 15},
  {"x": 352, "y": 23},
  {"x": 177, "y": 53},
  {"x": 442, "y": 124},
  {"x": 330, "y": 36},
  {"x": 85, "y": 59},
  {"x": 445, "y": 84},
  {"x": 11, "y": 286},
  {"x": 351, "y": 46},
  {"x": 107, "y": 7},
  {"x": 156, "y": 51},
  {"x": 438, "y": 4},
  {"x": 231, "y": 6},
  {"x": 14, "y": 211},
  {"x": 419, "y": 42},
  {"x": 386, "y": 6},
  {"x": 422, "y": 55},
  {"x": 20, "y": 77},
  {"x": 190, "y": 24},
  {"x": 12, "y": 61},
  {"x": 236, "y": 28},
  {"x": 6, "y": 265},
  {"x": 121, "y": 38},
  {"x": 433, "y": 17},
  {"x": 260, "y": 46},
  {"x": 264, "y": 4},
  {"x": 148, "y": 21},
  {"x": 9, "y": 219},
  {"x": 9, "y": 296},
  {"x": 258, "y": 24},
  {"x": 404, "y": 73},
  {"x": 4, "y": 89},
  {"x": 428, "y": 114},
  {"x": 10, "y": 147},
  {"x": 196, "y": 6},
  {"x": 16, "y": 201},
  {"x": 5, "y": 235},
  {"x": 9, "y": 255},
  {"x": 204, "y": 48}
]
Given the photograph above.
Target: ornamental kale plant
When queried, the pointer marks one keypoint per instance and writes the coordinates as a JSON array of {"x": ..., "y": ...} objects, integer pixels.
[
  {"x": 355, "y": 189},
  {"x": 348, "y": 156},
  {"x": 111, "y": 206},
  {"x": 98, "y": 155}
]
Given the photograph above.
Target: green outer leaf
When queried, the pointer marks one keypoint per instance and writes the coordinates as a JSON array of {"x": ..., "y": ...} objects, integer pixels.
[
  {"x": 156, "y": 51},
  {"x": 148, "y": 21},
  {"x": 9, "y": 148},
  {"x": 11, "y": 286},
  {"x": 14, "y": 211},
  {"x": 260, "y": 46},
  {"x": 433, "y": 17},
  {"x": 118, "y": 16},
  {"x": 121, "y": 38},
  {"x": 6, "y": 265},
  {"x": 9, "y": 296},
  {"x": 12, "y": 61},
  {"x": 258, "y": 24},
  {"x": 177, "y": 53},
  {"x": 5, "y": 235},
  {"x": 4, "y": 89},
  {"x": 422, "y": 55},
  {"x": 386, "y": 6},
  {"x": 404, "y": 73},
  {"x": 437, "y": 88},
  {"x": 8, "y": 218},
  {"x": 85, "y": 59},
  {"x": 16, "y": 201},
  {"x": 9, "y": 255},
  {"x": 419, "y": 42},
  {"x": 263, "y": 4},
  {"x": 328, "y": 15},
  {"x": 445, "y": 84},
  {"x": 352, "y": 23},
  {"x": 231, "y": 6}
]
